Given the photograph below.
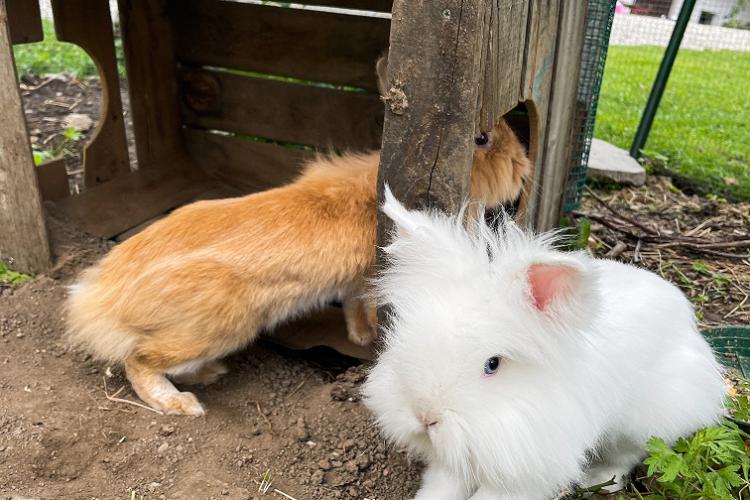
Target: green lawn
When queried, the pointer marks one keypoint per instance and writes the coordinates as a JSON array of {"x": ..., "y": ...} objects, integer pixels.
[
  {"x": 52, "y": 56},
  {"x": 703, "y": 123}
]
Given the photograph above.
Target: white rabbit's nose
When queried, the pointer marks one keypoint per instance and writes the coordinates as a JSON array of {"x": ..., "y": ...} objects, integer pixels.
[{"x": 428, "y": 420}]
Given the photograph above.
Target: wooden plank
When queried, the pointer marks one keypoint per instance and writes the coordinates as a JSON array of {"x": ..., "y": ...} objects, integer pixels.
[
  {"x": 367, "y": 5},
  {"x": 53, "y": 180},
  {"x": 304, "y": 44},
  {"x": 282, "y": 111},
  {"x": 323, "y": 328},
  {"x": 152, "y": 82},
  {"x": 106, "y": 155},
  {"x": 503, "y": 54},
  {"x": 25, "y": 21},
  {"x": 116, "y": 206},
  {"x": 536, "y": 89},
  {"x": 24, "y": 235},
  {"x": 433, "y": 79},
  {"x": 560, "y": 120},
  {"x": 245, "y": 165},
  {"x": 539, "y": 59}
]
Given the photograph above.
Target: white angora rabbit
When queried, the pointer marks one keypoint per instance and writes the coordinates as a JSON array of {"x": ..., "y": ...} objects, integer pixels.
[{"x": 515, "y": 370}]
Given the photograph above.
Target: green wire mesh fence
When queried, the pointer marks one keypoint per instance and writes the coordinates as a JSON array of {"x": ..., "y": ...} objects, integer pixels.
[{"x": 596, "y": 42}]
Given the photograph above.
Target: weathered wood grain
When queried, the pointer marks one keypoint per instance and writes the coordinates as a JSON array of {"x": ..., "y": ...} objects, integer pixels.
[
  {"x": 367, "y": 5},
  {"x": 23, "y": 238},
  {"x": 244, "y": 165},
  {"x": 503, "y": 51},
  {"x": 432, "y": 103},
  {"x": 536, "y": 87},
  {"x": 152, "y": 81},
  {"x": 53, "y": 180},
  {"x": 560, "y": 119},
  {"x": 304, "y": 44},
  {"x": 323, "y": 328},
  {"x": 283, "y": 111},
  {"x": 25, "y": 21},
  {"x": 106, "y": 155}
]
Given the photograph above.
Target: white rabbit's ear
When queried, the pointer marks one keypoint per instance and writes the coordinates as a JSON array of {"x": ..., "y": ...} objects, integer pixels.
[
  {"x": 406, "y": 222},
  {"x": 554, "y": 284},
  {"x": 381, "y": 69}
]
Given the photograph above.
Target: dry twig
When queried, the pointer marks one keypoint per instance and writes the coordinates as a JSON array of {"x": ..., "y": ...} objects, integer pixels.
[{"x": 113, "y": 397}]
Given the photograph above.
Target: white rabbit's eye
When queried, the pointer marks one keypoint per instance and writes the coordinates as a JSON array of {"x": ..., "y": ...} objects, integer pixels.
[{"x": 491, "y": 365}]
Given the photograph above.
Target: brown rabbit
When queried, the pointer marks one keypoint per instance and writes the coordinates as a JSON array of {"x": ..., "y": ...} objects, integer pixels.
[{"x": 202, "y": 282}]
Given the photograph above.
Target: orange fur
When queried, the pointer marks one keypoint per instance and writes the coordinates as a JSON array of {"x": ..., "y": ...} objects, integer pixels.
[{"x": 203, "y": 281}]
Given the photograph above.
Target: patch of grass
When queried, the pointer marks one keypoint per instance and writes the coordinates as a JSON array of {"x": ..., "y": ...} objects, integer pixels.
[
  {"x": 53, "y": 56},
  {"x": 65, "y": 148},
  {"x": 11, "y": 277},
  {"x": 701, "y": 127}
]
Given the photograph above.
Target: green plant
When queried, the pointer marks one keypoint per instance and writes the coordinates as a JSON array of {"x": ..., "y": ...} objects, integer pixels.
[
  {"x": 577, "y": 233},
  {"x": 64, "y": 148},
  {"x": 11, "y": 277},
  {"x": 711, "y": 465},
  {"x": 53, "y": 56},
  {"x": 40, "y": 155},
  {"x": 738, "y": 401}
]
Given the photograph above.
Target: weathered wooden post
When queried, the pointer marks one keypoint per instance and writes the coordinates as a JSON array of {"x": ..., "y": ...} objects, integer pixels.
[
  {"x": 23, "y": 234},
  {"x": 432, "y": 101}
]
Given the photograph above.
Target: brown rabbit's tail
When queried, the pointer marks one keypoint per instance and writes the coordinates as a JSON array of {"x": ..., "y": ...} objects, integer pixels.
[{"x": 90, "y": 326}]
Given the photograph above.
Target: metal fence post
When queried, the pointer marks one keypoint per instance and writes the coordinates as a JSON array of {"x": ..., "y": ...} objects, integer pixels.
[{"x": 647, "y": 119}]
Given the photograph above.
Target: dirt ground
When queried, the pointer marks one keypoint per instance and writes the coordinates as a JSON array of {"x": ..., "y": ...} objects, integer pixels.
[
  {"x": 292, "y": 416},
  {"x": 295, "y": 415}
]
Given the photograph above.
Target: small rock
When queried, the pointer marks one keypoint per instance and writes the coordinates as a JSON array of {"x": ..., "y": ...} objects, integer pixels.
[
  {"x": 162, "y": 448},
  {"x": 153, "y": 486},
  {"x": 339, "y": 393},
  {"x": 166, "y": 430},
  {"x": 318, "y": 477},
  {"x": 607, "y": 161},
  {"x": 300, "y": 430},
  {"x": 78, "y": 121},
  {"x": 348, "y": 444},
  {"x": 324, "y": 464},
  {"x": 362, "y": 461}
]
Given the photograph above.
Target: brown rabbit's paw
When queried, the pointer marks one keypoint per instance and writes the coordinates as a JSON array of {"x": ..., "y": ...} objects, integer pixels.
[
  {"x": 183, "y": 403},
  {"x": 205, "y": 375},
  {"x": 362, "y": 336}
]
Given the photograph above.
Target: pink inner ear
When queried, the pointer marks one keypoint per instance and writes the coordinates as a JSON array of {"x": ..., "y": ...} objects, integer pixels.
[{"x": 548, "y": 282}]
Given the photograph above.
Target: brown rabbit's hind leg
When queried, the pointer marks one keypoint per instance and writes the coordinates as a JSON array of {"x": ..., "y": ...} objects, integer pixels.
[
  {"x": 198, "y": 373},
  {"x": 359, "y": 321},
  {"x": 153, "y": 387}
]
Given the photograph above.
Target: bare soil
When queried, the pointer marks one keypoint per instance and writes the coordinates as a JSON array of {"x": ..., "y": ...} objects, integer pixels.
[
  {"x": 702, "y": 245},
  {"x": 295, "y": 415}
]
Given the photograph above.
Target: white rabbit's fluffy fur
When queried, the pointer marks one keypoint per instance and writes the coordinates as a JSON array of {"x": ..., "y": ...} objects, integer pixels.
[{"x": 596, "y": 357}]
